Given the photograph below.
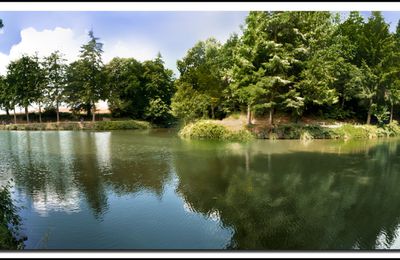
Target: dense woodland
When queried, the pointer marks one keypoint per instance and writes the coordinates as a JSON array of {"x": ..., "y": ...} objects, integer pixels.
[{"x": 296, "y": 63}]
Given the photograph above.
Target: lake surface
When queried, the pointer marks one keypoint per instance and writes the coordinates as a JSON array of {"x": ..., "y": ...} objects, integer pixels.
[{"x": 151, "y": 190}]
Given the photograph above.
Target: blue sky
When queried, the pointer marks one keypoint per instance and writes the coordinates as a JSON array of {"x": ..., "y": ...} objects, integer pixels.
[
  {"x": 140, "y": 34},
  {"x": 126, "y": 34}
]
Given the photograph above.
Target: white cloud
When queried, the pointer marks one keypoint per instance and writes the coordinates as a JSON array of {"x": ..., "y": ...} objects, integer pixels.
[
  {"x": 68, "y": 42},
  {"x": 43, "y": 43},
  {"x": 139, "y": 48}
]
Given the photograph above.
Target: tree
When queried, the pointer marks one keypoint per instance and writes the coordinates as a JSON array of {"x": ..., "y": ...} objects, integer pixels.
[
  {"x": 158, "y": 89},
  {"x": 124, "y": 87},
  {"x": 85, "y": 78},
  {"x": 374, "y": 47},
  {"x": 201, "y": 69},
  {"x": 55, "y": 69},
  {"x": 186, "y": 108},
  {"x": 5, "y": 97},
  {"x": 24, "y": 77},
  {"x": 269, "y": 57}
]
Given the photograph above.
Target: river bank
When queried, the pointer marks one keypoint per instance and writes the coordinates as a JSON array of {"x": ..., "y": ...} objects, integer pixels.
[
  {"x": 98, "y": 125},
  {"x": 237, "y": 130}
]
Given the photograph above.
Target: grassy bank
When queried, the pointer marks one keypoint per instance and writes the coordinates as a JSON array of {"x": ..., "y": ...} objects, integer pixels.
[
  {"x": 345, "y": 131},
  {"x": 215, "y": 130},
  {"x": 98, "y": 125},
  {"x": 207, "y": 129}
]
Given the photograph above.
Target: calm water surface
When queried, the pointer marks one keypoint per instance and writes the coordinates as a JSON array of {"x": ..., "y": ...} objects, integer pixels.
[{"x": 151, "y": 190}]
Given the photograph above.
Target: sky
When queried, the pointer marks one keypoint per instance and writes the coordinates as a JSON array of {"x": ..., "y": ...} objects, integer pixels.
[
  {"x": 125, "y": 34},
  {"x": 137, "y": 34}
]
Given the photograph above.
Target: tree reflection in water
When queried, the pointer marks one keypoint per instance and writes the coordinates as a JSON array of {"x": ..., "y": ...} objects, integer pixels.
[
  {"x": 297, "y": 200},
  {"x": 272, "y": 195}
]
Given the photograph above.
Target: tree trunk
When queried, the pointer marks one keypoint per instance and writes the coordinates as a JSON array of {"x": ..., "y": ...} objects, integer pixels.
[
  {"x": 369, "y": 112},
  {"x": 248, "y": 115},
  {"x": 271, "y": 118},
  {"x": 15, "y": 116},
  {"x": 27, "y": 115},
  {"x": 94, "y": 113},
  {"x": 58, "y": 113},
  {"x": 8, "y": 113},
  {"x": 40, "y": 113},
  {"x": 89, "y": 110},
  {"x": 391, "y": 113},
  {"x": 212, "y": 112}
]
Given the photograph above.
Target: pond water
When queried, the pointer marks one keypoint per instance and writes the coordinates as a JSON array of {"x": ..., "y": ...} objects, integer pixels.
[{"x": 151, "y": 190}]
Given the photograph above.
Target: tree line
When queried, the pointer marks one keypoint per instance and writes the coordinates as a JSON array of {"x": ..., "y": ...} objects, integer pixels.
[
  {"x": 141, "y": 90},
  {"x": 297, "y": 63}
]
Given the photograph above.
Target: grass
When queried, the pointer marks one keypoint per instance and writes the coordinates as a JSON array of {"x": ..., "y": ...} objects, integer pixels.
[
  {"x": 207, "y": 130},
  {"x": 345, "y": 132},
  {"x": 98, "y": 125}
]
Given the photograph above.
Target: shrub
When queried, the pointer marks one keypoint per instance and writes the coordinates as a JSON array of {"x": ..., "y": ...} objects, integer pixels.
[
  {"x": 348, "y": 131},
  {"x": 207, "y": 130},
  {"x": 9, "y": 221},
  {"x": 305, "y": 135},
  {"x": 392, "y": 129},
  {"x": 118, "y": 125},
  {"x": 99, "y": 125}
]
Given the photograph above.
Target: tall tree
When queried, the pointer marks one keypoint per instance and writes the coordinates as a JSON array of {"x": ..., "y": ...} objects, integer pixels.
[
  {"x": 85, "y": 78},
  {"x": 55, "y": 69},
  {"x": 24, "y": 77},
  {"x": 374, "y": 47},
  {"x": 5, "y": 96},
  {"x": 201, "y": 69},
  {"x": 159, "y": 89},
  {"x": 124, "y": 84},
  {"x": 391, "y": 73}
]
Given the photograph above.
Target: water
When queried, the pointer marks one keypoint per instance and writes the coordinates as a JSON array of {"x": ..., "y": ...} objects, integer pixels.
[{"x": 151, "y": 190}]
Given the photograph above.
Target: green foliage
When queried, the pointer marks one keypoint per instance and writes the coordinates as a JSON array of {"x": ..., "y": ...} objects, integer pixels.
[
  {"x": 201, "y": 75},
  {"x": 298, "y": 131},
  {"x": 208, "y": 130},
  {"x": 382, "y": 114},
  {"x": 346, "y": 131},
  {"x": 301, "y": 63},
  {"x": 98, "y": 125},
  {"x": 9, "y": 221},
  {"x": 139, "y": 90},
  {"x": 189, "y": 109},
  {"x": 25, "y": 80},
  {"x": 157, "y": 111},
  {"x": 85, "y": 80},
  {"x": 55, "y": 80},
  {"x": 392, "y": 129},
  {"x": 119, "y": 125}
]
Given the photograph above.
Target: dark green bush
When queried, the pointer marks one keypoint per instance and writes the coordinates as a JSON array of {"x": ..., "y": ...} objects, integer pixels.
[{"x": 9, "y": 221}]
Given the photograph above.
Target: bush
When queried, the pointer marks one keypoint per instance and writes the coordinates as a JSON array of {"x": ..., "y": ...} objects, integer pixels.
[
  {"x": 298, "y": 131},
  {"x": 207, "y": 130},
  {"x": 305, "y": 135},
  {"x": 9, "y": 221},
  {"x": 117, "y": 125},
  {"x": 392, "y": 129},
  {"x": 99, "y": 125}
]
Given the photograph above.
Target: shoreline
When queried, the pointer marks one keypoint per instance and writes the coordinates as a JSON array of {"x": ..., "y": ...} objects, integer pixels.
[
  {"x": 77, "y": 126},
  {"x": 216, "y": 130}
]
